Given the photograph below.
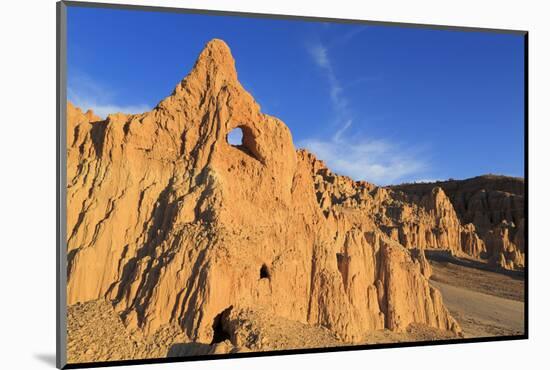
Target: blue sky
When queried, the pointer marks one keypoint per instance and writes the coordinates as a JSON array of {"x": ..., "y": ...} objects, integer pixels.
[{"x": 377, "y": 103}]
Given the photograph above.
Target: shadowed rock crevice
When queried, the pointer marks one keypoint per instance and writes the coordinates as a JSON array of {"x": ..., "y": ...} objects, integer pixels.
[
  {"x": 343, "y": 266},
  {"x": 97, "y": 133},
  {"x": 264, "y": 272},
  {"x": 219, "y": 327}
]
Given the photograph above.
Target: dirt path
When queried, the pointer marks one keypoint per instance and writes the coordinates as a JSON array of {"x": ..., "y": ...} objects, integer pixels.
[
  {"x": 482, "y": 315},
  {"x": 484, "y": 302},
  {"x": 509, "y": 285}
]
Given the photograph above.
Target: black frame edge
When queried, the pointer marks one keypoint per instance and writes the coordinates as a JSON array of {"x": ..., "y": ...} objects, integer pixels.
[{"x": 61, "y": 185}]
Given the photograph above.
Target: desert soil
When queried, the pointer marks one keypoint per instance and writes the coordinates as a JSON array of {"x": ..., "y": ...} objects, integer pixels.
[
  {"x": 96, "y": 333},
  {"x": 485, "y": 303}
]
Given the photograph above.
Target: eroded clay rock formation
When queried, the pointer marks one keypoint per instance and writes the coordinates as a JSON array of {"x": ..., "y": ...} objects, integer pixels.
[
  {"x": 426, "y": 221},
  {"x": 174, "y": 225},
  {"x": 491, "y": 208},
  {"x": 480, "y": 217}
]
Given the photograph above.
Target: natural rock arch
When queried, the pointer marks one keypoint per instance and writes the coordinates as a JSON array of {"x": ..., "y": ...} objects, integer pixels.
[
  {"x": 242, "y": 137},
  {"x": 235, "y": 136}
]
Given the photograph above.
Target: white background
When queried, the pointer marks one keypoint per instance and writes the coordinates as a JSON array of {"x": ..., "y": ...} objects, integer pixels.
[{"x": 27, "y": 172}]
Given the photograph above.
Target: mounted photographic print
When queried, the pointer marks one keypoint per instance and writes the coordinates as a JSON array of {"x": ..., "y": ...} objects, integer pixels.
[{"x": 236, "y": 184}]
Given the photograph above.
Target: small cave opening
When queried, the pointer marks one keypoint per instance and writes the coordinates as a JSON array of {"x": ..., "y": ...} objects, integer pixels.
[
  {"x": 235, "y": 136},
  {"x": 220, "y": 332},
  {"x": 264, "y": 272}
]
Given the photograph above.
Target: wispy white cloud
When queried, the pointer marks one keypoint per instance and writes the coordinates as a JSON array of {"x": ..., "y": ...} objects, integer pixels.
[
  {"x": 338, "y": 135},
  {"x": 86, "y": 93},
  {"x": 379, "y": 161},
  {"x": 321, "y": 57},
  {"x": 319, "y": 54},
  {"x": 362, "y": 158},
  {"x": 348, "y": 36}
]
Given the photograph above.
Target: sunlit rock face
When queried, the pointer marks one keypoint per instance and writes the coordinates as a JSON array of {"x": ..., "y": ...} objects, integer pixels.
[{"x": 174, "y": 225}]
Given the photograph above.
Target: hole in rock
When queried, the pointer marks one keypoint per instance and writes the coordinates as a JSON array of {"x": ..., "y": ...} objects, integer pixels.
[
  {"x": 264, "y": 272},
  {"x": 220, "y": 333},
  {"x": 242, "y": 138},
  {"x": 235, "y": 136}
]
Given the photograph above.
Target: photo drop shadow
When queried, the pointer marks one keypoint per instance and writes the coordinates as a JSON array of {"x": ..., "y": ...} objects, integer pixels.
[{"x": 46, "y": 358}]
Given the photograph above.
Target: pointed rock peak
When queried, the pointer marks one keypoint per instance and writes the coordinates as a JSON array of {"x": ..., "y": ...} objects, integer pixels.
[
  {"x": 213, "y": 69},
  {"x": 438, "y": 191},
  {"x": 217, "y": 49},
  {"x": 439, "y": 196},
  {"x": 91, "y": 116},
  {"x": 216, "y": 60}
]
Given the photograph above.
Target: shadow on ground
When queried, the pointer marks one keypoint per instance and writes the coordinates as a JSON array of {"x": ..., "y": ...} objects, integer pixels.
[
  {"x": 445, "y": 256},
  {"x": 188, "y": 349}
]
